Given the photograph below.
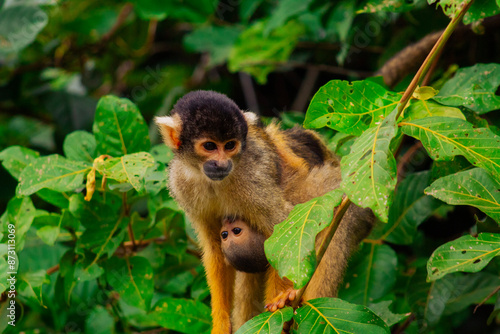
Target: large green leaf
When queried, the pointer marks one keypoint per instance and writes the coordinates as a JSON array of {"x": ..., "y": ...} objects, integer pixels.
[
  {"x": 371, "y": 274},
  {"x": 450, "y": 7},
  {"x": 182, "y": 315},
  {"x": 129, "y": 168},
  {"x": 20, "y": 213},
  {"x": 480, "y": 10},
  {"x": 267, "y": 322},
  {"x": 473, "y": 187},
  {"x": 132, "y": 278},
  {"x": 369, "y": 171},
  {"x": 332, "y": 315},
  {"x": 196, "y": 11},
  {"x": 119, "y": 128},
  {"x": 53, "y": 172},
  {"x": 350, "y": 107},
  {"x": 473, "y": 87},
  {"x": 291, "y": 248},
  {"x": 383, "y": 311},
  {"x": 216, "y": 40},
  {"x": 258, "y": 54},
  {"x": 427, "y": 108},
  {"x": 19, "y": 26},
  {"x": 394, "y": 6},
  {"x": 80, "y": 146},
  {"x": 446, "y": 137},
  {"x": 466, "y": 253},
  {"x": 16, "y": 158},
  {"x": 411, "y": 207},
  {"x": 285, "y": 10}
]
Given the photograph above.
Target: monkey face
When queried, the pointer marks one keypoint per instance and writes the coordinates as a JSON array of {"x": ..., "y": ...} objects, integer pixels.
[
  {"x": 243, "y": 247},
  {"x": 217, "y": 157}
]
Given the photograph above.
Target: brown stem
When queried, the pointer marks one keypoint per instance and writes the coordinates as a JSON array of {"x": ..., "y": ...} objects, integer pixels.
[
  {"x": 487, "y": 297},
  {"x": 53, "y": 269},
  {"x": 126, "y": 213},
  {"x": 406, "y": 158}
]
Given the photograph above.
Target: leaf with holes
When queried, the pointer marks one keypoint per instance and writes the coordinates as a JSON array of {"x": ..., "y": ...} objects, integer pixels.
[
  {"x": 473, "y": 187},
  {"x": 473, "y": 87},
  {"x": 446, "y": 137},
  {"x": 129, "y": 168},
  {"x": 422, "y": 109},
  {"x": 411, "y": 207},
  {"x": 332, "y": 315},
  {"x": 371, "y": 274},
  {"x": 466, "y": 253},
  {"x": 480, "y": 10},
  {"x": 53, "y": 172},
  {"x": 132, "y": 278},
  {"x": 290, "y": 249},
  {"x": 16, "y": 158},
  {"x": 350, "y": 107},
  {"x": 182, "y": 315},
  {"x": 119, "y": 128},
  {"x": 267, "y": 322},
  {"x": 80, "y": 146},
  {"x": 369, "y": 171},
  {"x": 20, "y": 212}
]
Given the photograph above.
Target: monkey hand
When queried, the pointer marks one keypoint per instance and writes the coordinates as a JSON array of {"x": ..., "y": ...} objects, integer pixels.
[{"x": 283, "y": 298}]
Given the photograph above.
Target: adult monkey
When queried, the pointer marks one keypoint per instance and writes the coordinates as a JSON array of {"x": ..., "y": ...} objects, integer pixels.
[{"x": 227, "y": 165}]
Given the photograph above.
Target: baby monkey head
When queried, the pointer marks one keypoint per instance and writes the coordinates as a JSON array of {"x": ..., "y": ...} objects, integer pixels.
[{"x": 208, "y": 131}]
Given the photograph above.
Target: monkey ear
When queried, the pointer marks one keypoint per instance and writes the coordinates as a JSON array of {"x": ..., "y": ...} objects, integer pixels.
[
  {"x": 251, "y": 118},
  {"x": 170, "y": 128}
]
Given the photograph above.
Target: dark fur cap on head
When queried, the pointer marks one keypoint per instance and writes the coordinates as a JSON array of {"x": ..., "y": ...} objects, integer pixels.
[{"x": 208, "y": 113}]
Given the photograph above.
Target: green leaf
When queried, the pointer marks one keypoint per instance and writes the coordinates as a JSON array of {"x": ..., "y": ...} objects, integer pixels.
[
  {"x": 100, "y": 322},
  {"x": 411, "y": 207},
  {"x": 285, "y": 10},
  {"x": 19, "y": 26},
  {"x": 332, "y": 315},
  {"x": 247, "y": 8},
  {"x": 450, "y": 7},
  {"x": 473, "y": 87},
  {"x": 350, "y": 107},
  {"x": 182, "y": 315},
  {"x": 162, "y": 153},
  {"x": 390, "y": 318},
  {"x": 341, "y": 143},
  {"x": 473, "y": 187},
  {"x": 393, "y": 6},
  {"x": 53, "y": 172},
  {"x": 369, "y": 171},
  {"x": 129, "y": 168},
  {"x": 481, "y": 9},
  {"x": 48, "y": 227},
  {"x": 371, "y": 274},
  {"x": 267, "y": 322},
  {"x": 340, "y": 20},
  {"x": 54, "y": 197},
  {"x": 466, "y": 253},
  {"x": 258, "y": 54},
  {"x": 30, "y": 284},
  {"x": 291, "y": 248},
  {"x": 20, "y": 212},
  {"x": 218, "y": 41},
  {"x": 445, "y": 137},
  {"x": 80, "y": 146},
  {"x": 444, "y": 168},
  {"x": 16, "y": 158},
  {"x": 196, "y": 11},
  {"x": 422, "y": 109},
  {"x": 119, "y": 128},
  {"x": 132, "y": 278}
]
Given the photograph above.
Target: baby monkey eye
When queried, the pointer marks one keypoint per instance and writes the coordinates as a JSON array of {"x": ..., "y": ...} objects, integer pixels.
[
  {"x": 224, "y": 235},
  {"x": 210, "y": 146},
  {"x": 230, "y": 145},
  {"x": 236, "y": 230}
]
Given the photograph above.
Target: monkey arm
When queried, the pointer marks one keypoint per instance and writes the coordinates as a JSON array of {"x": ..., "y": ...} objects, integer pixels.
[
  {"x": 275, "y": 286},
  {"x": 220, "y": 279}
]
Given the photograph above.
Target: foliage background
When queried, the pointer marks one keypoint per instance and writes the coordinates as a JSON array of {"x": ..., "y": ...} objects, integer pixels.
[{"x": 58, "y": 58}]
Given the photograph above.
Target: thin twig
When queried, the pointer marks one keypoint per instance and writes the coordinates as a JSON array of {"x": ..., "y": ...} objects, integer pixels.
[
  {"x": 486, "y": 299},
  {"x": 405, "y": 159}
]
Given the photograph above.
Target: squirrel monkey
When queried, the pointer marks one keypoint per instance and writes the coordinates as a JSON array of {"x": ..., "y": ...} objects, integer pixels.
[
  {"x": 226, "y": 164},
  {"x": 242, "y": 247}
]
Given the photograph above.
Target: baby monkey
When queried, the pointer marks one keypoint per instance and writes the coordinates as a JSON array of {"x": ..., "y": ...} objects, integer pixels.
[{"x": 242, "y": 246}]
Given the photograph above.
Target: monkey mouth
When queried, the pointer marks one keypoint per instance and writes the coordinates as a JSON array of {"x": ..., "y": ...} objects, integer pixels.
[{"x": 217, "y": 176}]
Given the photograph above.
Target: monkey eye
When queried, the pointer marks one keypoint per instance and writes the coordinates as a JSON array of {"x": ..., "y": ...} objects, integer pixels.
[
  {"x": 236, "y": 230},
  {"x": 230, "y": 145},
  {"x": 224, "y": 235},
  {"x": 210, "y": 146}
]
